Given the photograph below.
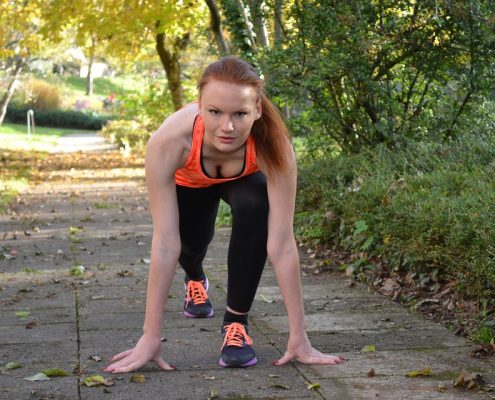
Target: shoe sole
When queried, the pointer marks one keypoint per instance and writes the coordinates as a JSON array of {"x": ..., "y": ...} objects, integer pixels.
[
  {"x": 189, "y": 315},
  {"x": 250, "y": 363}
]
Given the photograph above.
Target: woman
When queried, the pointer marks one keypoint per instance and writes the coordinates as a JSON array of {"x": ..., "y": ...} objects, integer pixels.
[{"x": 232, "y": 145}]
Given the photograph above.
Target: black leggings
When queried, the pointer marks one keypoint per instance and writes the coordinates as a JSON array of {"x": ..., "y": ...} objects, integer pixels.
[{"x": 248, "y": 200}]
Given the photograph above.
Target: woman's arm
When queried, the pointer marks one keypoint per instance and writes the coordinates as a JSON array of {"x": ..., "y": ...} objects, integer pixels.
[
  {"x": 166, "y": 152},
  {"x": 283, "y": 254}
]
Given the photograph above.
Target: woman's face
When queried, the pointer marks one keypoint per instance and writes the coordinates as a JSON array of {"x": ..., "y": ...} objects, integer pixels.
[{"x": 228, "y": 111}]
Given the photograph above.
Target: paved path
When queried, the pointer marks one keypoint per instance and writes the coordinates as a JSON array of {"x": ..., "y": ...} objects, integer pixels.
[
  {"x": 86, "y": 141},
  {"x": 104, "y": 225}
]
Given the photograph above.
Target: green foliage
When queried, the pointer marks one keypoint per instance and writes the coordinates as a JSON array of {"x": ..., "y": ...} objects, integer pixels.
[
  {"x": 143, "y": 112},
  {"x": 426, "y": 208},
  {"x": 237, "y": 27},
  {"x": 57, "y": 118},
  {"x": 362, "y": 73},
  {"x": 150, "y": 105},
  {"x": 224, "y": 216},
  {"x": 127, "y": 134}
]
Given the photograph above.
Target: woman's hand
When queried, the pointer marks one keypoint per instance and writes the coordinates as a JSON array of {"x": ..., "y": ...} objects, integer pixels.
[
  {"x": 303, "y": 352},
  {"x": 147, "y": 349}
]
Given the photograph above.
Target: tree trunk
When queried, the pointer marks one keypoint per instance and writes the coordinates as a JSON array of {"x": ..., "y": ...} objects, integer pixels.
[
  {"x": 10, "y": 89},
  {"x": 216, "y": 27},
  {"x": 256, "y": 7},
  {"x": 278, "y": 21},
  {"x": 247, "y": 23},
  {"x": 170, "y": 61},
  {"x": 89, "y": 77}
]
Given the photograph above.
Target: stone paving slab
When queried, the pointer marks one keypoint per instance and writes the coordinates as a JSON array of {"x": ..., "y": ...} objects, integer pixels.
[{"x": 395, "y": 388}]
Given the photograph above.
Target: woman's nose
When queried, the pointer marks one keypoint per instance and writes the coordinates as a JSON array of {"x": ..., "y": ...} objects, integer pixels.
[{"x": 227, "y": 125}]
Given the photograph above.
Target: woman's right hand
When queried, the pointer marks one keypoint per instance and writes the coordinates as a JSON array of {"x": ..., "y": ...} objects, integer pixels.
[{"x": 146, "y": 349}]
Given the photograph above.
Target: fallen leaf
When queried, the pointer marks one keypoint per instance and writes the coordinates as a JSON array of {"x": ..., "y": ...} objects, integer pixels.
[
  {"x": 314, "y": 386},
  {"x": 209, "y": 378},
  {"x": 389, "y": 286},
  {"x": 145, "y": 260},
  {"x": 32, "y": 324},
  {"x": 442, "y": 388},
  {"x": 22, "y": 314},
  {"x": 267, "y": 300},
  {"x": 416, "y": 373},
  {"x": 97, "y": 380},
  {"x": 95, "y": 358},
  {"x": 37, "y": 377},
  {"x": 273, "y": 376},
  {"x": 483, "y": 350},
  {"x": 125, "y": 273},
  {"x": 137, "y": 378},
  {"x": 8, "y": 256},
  {"x": 77, "y": 270},
  {"x": 280, "y": 386},
  {"x": 371, "y": 348},
  {"x": 467, "y": 380},
  {"x": 371, "y": 373},
  {"x": 13, "y": 365},
  {"x": 53, "y": 372},
  {"x": 213, "y": 395}
]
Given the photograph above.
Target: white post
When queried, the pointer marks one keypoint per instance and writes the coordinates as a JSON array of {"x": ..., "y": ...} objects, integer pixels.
[{"x": 30, "y": 122}]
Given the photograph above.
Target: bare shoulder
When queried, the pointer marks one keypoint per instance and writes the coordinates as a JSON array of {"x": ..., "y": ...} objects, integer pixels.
[{"x": 172, "y": 140}]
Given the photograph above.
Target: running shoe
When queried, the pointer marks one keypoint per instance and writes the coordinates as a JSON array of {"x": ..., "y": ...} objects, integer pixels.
[
  {"x": 236, "y": 348},
  {"x": 197, "y": 304}
]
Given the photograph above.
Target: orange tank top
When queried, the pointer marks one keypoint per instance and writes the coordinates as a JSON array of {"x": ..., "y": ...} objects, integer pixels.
[{"x": 192, "y": 174}]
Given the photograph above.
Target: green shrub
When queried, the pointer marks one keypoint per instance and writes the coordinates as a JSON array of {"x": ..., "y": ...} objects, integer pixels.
[
  {"x": 427, "y": 209},
  {"x": 40, "y": 95},
  {"x": 127, "y": 134},
  {"x": 57, "y": 118}
]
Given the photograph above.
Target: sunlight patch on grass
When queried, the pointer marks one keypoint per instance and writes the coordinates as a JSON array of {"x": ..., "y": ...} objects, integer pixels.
[{"x": 15, "y": 137}]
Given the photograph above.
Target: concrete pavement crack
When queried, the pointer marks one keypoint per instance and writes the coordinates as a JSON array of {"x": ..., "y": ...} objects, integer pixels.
[{"x": 76, "y": 307}]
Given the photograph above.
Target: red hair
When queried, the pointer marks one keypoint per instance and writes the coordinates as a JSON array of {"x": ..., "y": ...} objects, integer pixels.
[{"x": 270, "y": 134}]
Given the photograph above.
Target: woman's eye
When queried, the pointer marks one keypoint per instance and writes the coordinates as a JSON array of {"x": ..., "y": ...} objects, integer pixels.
[
  {"x": 240, "y": 114},
  {"x": 214, "y": 112}
]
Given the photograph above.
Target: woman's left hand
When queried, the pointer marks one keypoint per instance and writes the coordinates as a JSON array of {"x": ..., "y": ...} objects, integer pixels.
[{"x": 306, "y": 354}]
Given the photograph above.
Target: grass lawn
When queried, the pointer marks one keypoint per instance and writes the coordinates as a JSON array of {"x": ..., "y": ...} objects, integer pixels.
[{"x": 15, "y": 137}]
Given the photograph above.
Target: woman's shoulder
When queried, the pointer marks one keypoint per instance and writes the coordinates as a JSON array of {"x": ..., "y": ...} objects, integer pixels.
[
  {"x": 172, "y": 140},
  {"x": 177, "y": 125}
]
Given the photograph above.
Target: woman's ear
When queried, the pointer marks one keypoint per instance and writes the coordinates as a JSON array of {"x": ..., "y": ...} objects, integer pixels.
[{"x": 259, "y": 111}]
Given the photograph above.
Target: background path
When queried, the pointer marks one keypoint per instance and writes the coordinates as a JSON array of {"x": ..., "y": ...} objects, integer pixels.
[{"x": 94, "y": 221}]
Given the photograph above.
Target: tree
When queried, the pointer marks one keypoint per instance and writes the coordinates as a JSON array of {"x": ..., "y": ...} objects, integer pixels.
[
  {"x": 127, "y": 30},
  {"x": 216, "y": 27},
  {"x": 381, "y": 71},
  {"x": 20, "y": 41}
]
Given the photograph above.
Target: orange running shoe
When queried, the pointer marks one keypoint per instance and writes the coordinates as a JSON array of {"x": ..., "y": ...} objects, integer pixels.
[
  {"x": 236, "y": 348},
  {"x": 197, "y": 304}
]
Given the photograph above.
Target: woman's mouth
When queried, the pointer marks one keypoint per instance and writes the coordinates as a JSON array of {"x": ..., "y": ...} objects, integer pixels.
[{"x": 226, "y": 139}]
